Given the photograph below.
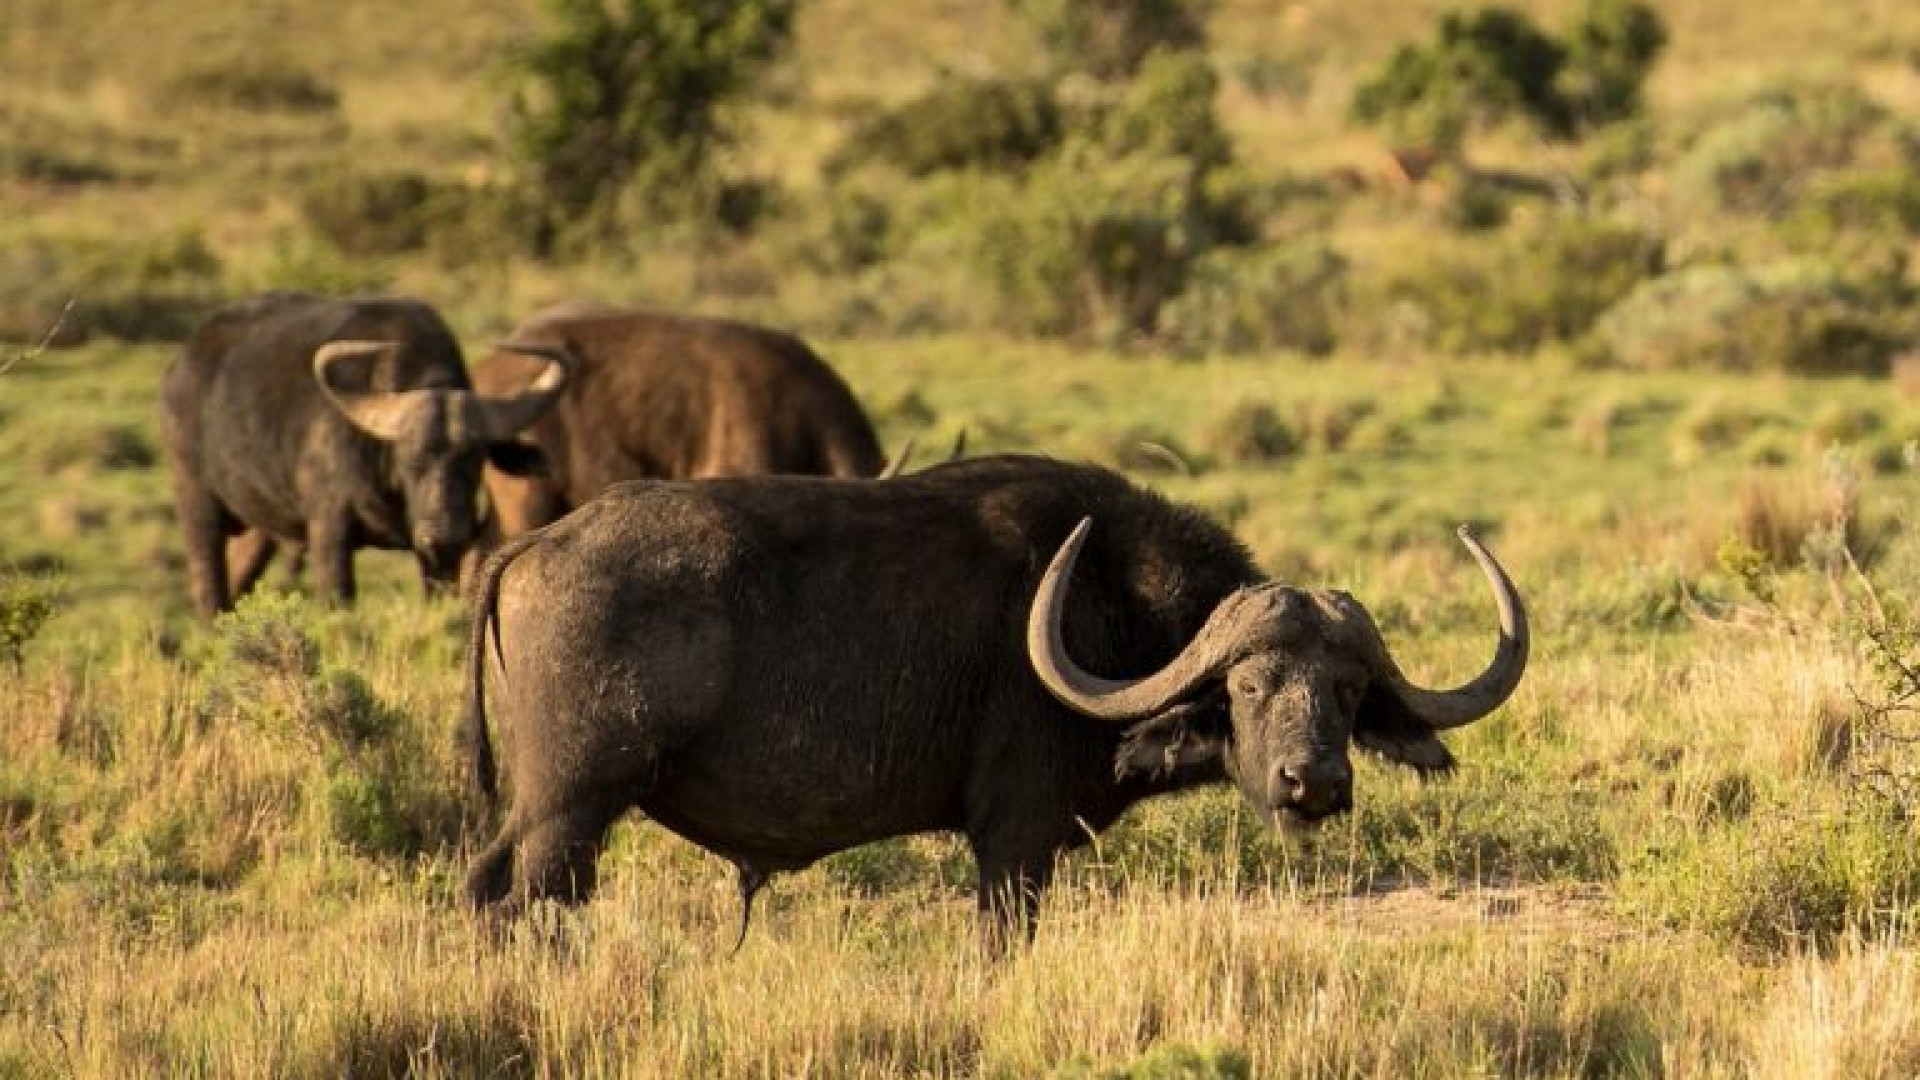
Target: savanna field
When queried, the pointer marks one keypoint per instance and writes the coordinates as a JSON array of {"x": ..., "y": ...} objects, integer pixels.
[{"x": 1668, "y": 366}]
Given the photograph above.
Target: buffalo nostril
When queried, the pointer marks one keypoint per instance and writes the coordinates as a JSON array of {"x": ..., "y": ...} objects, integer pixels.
[{"x": 1296, "y": 788}]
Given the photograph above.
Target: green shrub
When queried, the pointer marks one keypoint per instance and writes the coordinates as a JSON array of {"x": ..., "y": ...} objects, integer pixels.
[
  {"x": 1863, "y": 223},
  {"x": 256, "y": 81},
  {"x": 1610, "y": 48},
  {"x": 629, "y": 98},
  {"x": 1774, "y": 882},
  {"x": 1110, "y": 39},
  {"x": 1494, "y": 64},
  {"x": 1168, "y": 111},
  {"x": 1090, "y": 246},
  {"x": 1482, "y": 67},
  {"x": 26, "y": 603},
  {"x": 1251, "y": 433},
  {"x": 1282, "y": 296},
  {"x": 1542, "y": 284},
  {"x": 1757, "y": 154},
  {"x": 960, "y": 123},
  {"x": 1787, "y": 317},
  {"x": 370, "y": 214}
]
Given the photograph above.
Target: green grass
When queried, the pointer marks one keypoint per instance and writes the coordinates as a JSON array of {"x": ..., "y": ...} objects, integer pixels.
[
  {"x": 1682, "y": 850},
  {"x": 235, "y": 850}
]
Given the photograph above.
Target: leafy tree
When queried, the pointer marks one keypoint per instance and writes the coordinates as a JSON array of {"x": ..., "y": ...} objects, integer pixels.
[
  {"x": 620, "y": 97},
  {"x": 1609, "y": 50},
  {"x": 1494, "y": 64}
]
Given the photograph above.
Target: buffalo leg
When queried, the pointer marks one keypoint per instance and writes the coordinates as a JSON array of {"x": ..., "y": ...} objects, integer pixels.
[
  {"x": 202, "y": 524},
  {"x": 332, "y": 559},
  {"x": 552, "y": 859},
  {"x": 1009, "y": 894},
  {"x": 248, "y": 556}
]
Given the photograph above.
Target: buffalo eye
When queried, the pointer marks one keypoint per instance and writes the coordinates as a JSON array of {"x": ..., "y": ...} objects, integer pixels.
[{"x": 1245, "y": 687}]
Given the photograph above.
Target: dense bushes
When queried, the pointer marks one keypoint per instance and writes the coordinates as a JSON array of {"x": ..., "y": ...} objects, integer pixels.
[
  {"x": 1536, "y": 285},
  {"x": 1788, "y": 317}
]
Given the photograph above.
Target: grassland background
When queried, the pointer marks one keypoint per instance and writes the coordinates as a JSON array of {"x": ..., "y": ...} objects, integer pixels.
[{"x": 1681, "y": 851}]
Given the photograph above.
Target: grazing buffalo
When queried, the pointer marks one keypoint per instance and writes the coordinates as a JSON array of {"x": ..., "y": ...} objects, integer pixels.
[
  {"x": 672, "y": 397},
  {"x": 779, "y": 668},
  {"x": 328, "y": 425}
]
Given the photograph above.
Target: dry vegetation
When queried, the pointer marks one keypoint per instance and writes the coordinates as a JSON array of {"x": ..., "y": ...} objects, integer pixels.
[{"x": 1686, "y": 848}]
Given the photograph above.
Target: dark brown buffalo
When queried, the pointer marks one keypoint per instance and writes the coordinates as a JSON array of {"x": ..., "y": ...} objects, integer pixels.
[
  {"x": 779, "y": 668},
  {"x": 672, "y": 397},
  {"x": 327, "y": 425}
]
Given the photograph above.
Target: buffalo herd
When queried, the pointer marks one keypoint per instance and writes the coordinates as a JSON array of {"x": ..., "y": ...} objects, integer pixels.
[{"x": 698, "y": 590}]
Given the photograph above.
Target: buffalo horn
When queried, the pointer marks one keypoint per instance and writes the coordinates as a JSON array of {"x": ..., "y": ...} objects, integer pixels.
[
  {"x": 898, "y": 464},
  {"x": 1109, "y": 699},
  {"x": 378, "y": 413},
  {"x": 1443, "y": 709},
  {"x": 503, "y": 417}
]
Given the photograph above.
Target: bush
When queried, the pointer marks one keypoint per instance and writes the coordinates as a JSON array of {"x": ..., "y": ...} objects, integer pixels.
[
  {"x": 1285, "y": 296},
  {"x": 1252, "y": 433},
  {"x": 628, "y": 98},
  {"x": 1110, "y": 39},
  {"x": 370, "y": 214},
  {"x": 1773, "y": 884},
  {"x": 1168, "y": 111},
  {"x": 1756, "y": 155},
  {"x": 1090, "y": 246},
  {"x": 960, "y": 123},
  {"x": 1610, "y": 48},
  {"x": 1785, "y": 317},
  {"x": 1546, "y": 283},
  {"x": 1481, "y": 68},
  {"x": 1494, "y": 64},
  {"x": 1862, "y": 223},
  {"x": 26, "y": 604},
  {"x": 257, "y": 82}
]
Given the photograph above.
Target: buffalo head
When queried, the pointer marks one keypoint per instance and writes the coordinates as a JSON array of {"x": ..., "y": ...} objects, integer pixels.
[
  {"x": 1296, "y": 674},
  {"x": 438, "y": 438}
]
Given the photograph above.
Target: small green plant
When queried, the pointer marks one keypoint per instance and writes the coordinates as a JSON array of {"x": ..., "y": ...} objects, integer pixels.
[
  {"x": 26, "y": 604},
  {"x": 628, "y": 98}
]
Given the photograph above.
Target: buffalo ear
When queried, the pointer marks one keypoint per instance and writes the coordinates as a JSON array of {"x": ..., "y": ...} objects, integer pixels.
[
  {"x": 1187, "y": 736},
  {"x": 1388, "y": 728},
  {"x": 517, "y": 458}
]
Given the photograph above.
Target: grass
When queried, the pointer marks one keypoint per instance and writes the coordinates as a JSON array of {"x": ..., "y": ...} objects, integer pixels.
[{"x": 235, "y": 850}]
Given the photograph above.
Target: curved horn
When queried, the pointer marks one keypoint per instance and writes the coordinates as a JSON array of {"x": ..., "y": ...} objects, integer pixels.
[
  {"x": 378, "y": 413},
  {"x": 502, "y": 417},
  {"x": 898, "y": 464},
  {"x": 1109, "y": 699},
  {"x": 1443, "y": 709}
]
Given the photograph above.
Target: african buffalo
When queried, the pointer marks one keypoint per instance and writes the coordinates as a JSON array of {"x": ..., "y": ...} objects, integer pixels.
[
  {"x": 329, "y": 425},
  {"x": 672, "y": 397},
  {"x": 779, "y": 668}
]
